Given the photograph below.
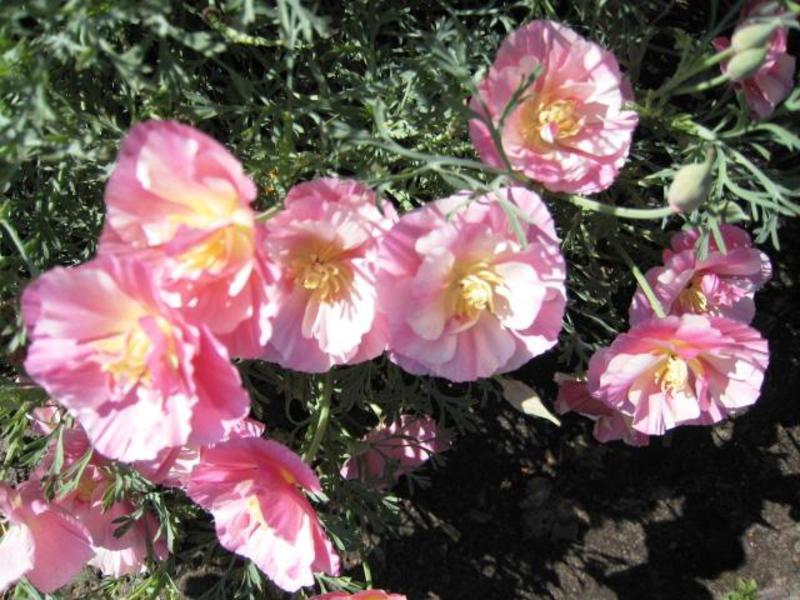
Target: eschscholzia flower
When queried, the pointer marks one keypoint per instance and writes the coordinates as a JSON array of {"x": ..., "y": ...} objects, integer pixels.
[
  {"x": 365, "y": 595},
  {"x": 253, "y": 488},
  {"x": 132, "y": 372},
  {"x": 398, "y": 448},
  {"x": 721, "y": 284},
  {"x": 774, "y": 79},
  {"x": 609, "y": 424},
  {"x": 325, "y": 245},
  {"x": 42, "y": 541},
  {"x": 570, "y": 130},
  {"x": 178, "y": 196},
  {"x": 464, "y": 297},
  {"x": 689, "y": 369}
]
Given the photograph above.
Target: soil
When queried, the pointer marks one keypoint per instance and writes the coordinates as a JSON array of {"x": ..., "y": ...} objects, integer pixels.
[{"x": 525, "y": 510}]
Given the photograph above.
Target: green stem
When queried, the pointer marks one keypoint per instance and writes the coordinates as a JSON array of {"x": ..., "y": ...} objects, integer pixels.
[
  {"x": 268, "y": 214},
  {"x": 655, "y": 304},
  {"x": 702, "y": 86},
  {"x": 323, "y": 415},
  {"x": 702, "y": 66},
  {"x": 617, "y": 211}
]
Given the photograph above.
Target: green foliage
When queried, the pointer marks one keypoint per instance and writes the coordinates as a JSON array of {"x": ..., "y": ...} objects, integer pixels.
[
  {"x": 374, "y": 89},
  {"x": 746, "y": 589}
]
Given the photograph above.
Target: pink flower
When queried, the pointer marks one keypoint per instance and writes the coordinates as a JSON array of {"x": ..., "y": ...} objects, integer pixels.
[
  {"x": 136, "y": 376},
  {"x": 252, "y": 487},
  {"x": 178, "y": 196},
  {"x": 569, "y": 130},
  {"x": 42, "y": 541},
  {"x": 464, "y": 298},
  {"x": 773, "y": 81},
  {"x": 609, "y": 424},
  {"x": 689, "y": 369},
  {"x": 325, "y": 244},
  {"x": 113, "y": 555},
  {"x": 402, "y": 447},
  {"x": 721, "y": 284},
  {"x": 365, "y": 595}
]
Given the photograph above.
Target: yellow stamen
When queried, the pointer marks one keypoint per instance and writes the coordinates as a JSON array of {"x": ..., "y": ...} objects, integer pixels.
[
  {"x": 325, "y": 274},
  {"x": 536, "y": 116},
  {"x": 475, "y": 291},
  {"x": 672, "y": 375},
  {"x": 253, "y": 506},
  {"x": 692, "y": 299},
  {"x": 124, "y": 355}
]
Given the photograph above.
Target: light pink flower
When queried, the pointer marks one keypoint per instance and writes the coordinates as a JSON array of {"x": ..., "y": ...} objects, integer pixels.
[
  {"x": 609, "y": 424},
  {"x": 42, "y": 541},
  {"x": 768, "y": 86},
  {"x": 136, "y": 376},
  {"x": 253, "y": 488},
  {"x": 570, "y": 130},
  {"x": 721, "y": 284},
  {"x": 402, "y": 446},
  {"x": 365, "y": 595},
  {"x": 325, "y": 244},
  {"x": 178, "y": 196},
  {"x": 464, "y": 298},
  {"x": 682, "y": 370}
]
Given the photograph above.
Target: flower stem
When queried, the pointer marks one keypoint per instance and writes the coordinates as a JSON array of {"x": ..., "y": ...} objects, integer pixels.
[
  {"x": 323, "y": 415},
  {"x": 702, "y": 86},
  {"x": 268, "y": 214},
  {"x": 617, "y": 211},
  {"x": 655, "y": 304}
]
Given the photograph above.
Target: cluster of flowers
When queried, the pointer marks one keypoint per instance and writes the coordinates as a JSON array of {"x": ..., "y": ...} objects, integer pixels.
[
  {"x": 694, "y": 365},
  {"x": 137, "y": 343}
]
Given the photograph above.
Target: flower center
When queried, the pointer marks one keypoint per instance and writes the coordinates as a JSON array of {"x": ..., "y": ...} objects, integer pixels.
[
  {"x": 219, "y": 249},
  {"x": 325, "y": 275},
  {"x": 672, "y": 375},
  {"x": 126, "y": 353},
  {"x": 692, "y": 299},
  {"x": 475, "y": 291},
  {"x": 549, "y": 123}
]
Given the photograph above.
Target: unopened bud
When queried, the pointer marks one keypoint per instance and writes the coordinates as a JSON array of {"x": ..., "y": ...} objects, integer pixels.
[
  {"x": 746, "y": 63},
  {"x": 691, "y": 185},
  {"x": 752, "y": 36}
]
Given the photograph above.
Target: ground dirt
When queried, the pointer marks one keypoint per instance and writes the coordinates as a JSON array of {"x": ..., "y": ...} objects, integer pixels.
[{"x": 526, "y": 510}]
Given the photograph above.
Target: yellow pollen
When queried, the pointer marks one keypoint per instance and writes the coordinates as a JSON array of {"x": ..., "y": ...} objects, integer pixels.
[
  {"x": 214, "y": 253},
  {"x": 535, "y": 117},
  {"x": 672, "y": 375},
  {"x": 287, "y": 476},
  {"x": 327, "y": 277},
  {"x": 253, "y": 506},
  {"x": 693, "y": 300},
  {"x": 475, "y": 291}
]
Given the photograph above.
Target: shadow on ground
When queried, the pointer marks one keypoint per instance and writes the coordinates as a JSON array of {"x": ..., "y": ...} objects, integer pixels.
[{"x": 525, "y": 510}]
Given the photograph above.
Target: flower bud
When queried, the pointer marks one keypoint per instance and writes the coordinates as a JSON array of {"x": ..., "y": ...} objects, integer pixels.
[
  {"x": 753, "y": 36},
  {"x": 746, "y": 63},
  {"x": 691, "y": 185}
]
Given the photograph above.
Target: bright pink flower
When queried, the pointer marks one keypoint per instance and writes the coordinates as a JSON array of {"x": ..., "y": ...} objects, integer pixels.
[
  {"x": 135, "y": 375},
  {"x": 402, "y": 447},
  {"x": 182, "y": 198},
  {"x": 325, "y": 244},
  {"x": 253, "y": 488},
  {"x": 42, "y": 541},
  {"x": 365, "y": 595},
  {"x": 768, "y": 86},
  {"x": 464, "y": 298},
  {"x": 570, "y": 130},
  {"x": 609, "y": 424},
  {"x": 690, "y": 369},
  {"x": 721, "y": 284}
]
